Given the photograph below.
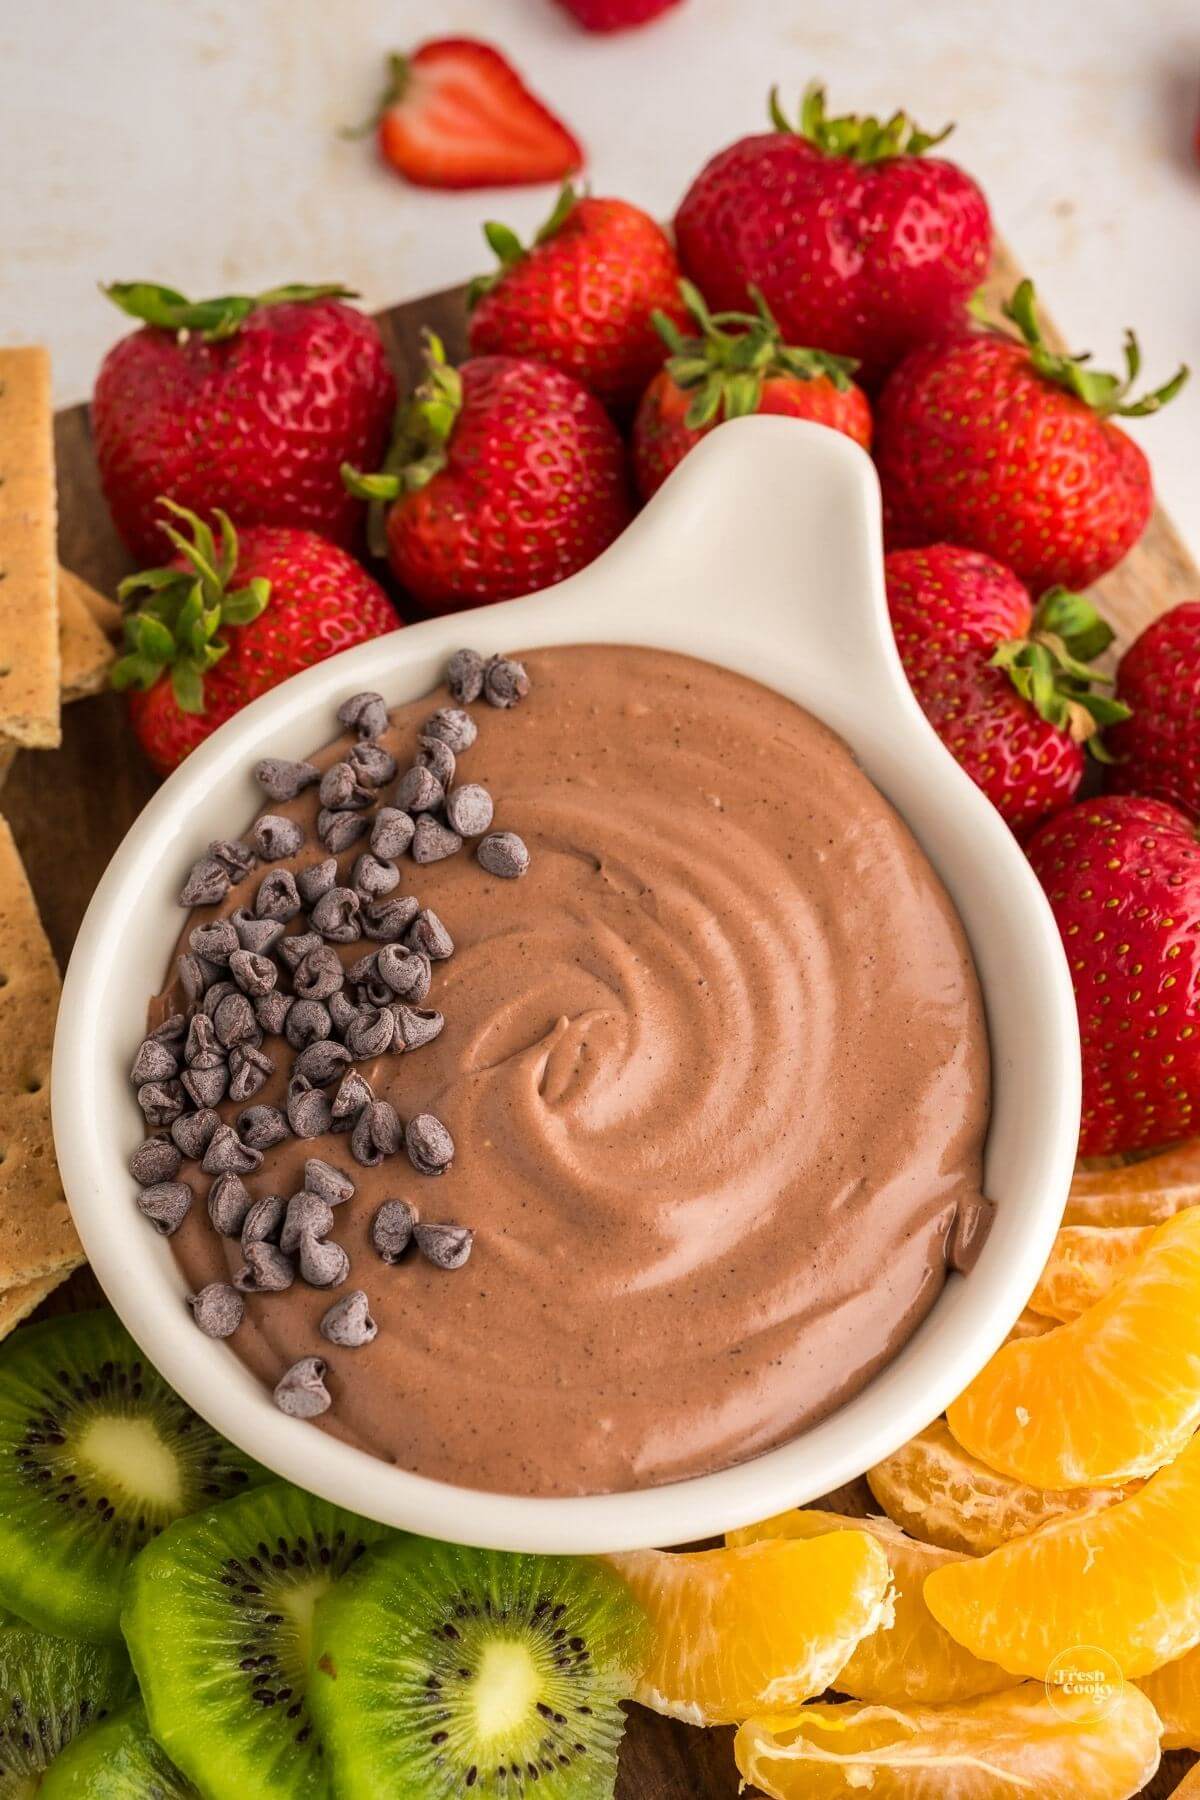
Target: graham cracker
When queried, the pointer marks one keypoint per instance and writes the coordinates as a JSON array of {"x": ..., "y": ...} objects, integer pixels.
[
  {"x": 16, "y": 1303},
  {"x": 37, "y": 1238},
  {"x": 29, "y": 655},
  {"x": 106, "y": 612},
  {"x": 85, "y": 652},
  {"x": 8, "y": 756}
]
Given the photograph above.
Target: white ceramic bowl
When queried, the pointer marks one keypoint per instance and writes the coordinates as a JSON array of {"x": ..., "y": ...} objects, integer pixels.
[{"x": 762, "y": 553}]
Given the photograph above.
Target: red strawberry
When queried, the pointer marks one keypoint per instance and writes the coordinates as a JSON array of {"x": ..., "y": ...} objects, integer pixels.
[
  {"x": 455, "y": 114},
  {"x": 738, "y": 364},
  {"x": 223, "y": 622},
  {"x": 1158, "y": 751},
  {"x": 506, "y": 477},
  {"x": 1123, "y": 877},
  {"x": 1002, "y": 444},
  {"x": 859, "y": 241},
  {"x": 582, "y": 297},
  {"x": 1006, "y": 688},
  {"x": 615, "y": 15},
  {"x": 250, "y": 405}
]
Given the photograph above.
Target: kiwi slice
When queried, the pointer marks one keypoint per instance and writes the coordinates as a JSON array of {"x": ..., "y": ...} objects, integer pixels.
[
  {"x": 218, "y": 1619},
  {"x": 116, "y": 1760},
  {"x": 50, "y": 1691},
  {"x": 440, "y": 1671},
  {"x": 97, "y": 1455}
]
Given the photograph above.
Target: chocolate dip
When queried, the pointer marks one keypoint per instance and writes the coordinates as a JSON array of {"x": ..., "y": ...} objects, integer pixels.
[{"x": 716, "y": 1071}]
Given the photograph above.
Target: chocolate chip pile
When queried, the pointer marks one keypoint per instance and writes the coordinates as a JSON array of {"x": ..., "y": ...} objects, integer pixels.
[{"x": 284, "y": 969}]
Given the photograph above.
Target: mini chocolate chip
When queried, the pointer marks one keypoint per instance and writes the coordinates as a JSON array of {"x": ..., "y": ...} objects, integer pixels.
[
  {"x": 430, "y": 1146},
  {"x": 433, "y": 842},
  {"x": 305, "y": 1212},
  {"x": 353, "y": 1094},
  {"x": 202, "y": 1049},
  {"x": 403, "y": 970},
  {"x": 207, "y": 883},
  {"x": 392, "y": 832},
  {"x": 227, "y": 1155},
  {"x": 365, "y": 713},
  {"x": 504, "y": 854},
  {"x": 156, "y": 1160},
  {"x": 192, "y": 973},
  {"x": 215, "y": 942},
  {"x": 320, "y": 973},
  {"x": 284, "y": 780},
  {"x": 234, "y": 1020},
  {"x": 505, "y": 681},
  {"x": 238, "y": 858},
  {"x": 436, "y": 755},
  {"x": 322, "y": 1264},
  {"x": 321, "y": 1062},
  {"x": 392, "y": 1229},
  {"x": 255, "y": 975},
  {"x": 307, "y": 1023},
  {"x": 348, "y": 1322},
  {"x": 271, "y": 1011},
  {"x": 364, "y": 969},
  {"x": 370, "y": 1033},
  {"x": 330, "y": 1184},
  {"x": 218, "y": 1309},
  {"x": 165, "y": 1204},
  {"x": 370, "y": 877},
  {"x": 316, "y": 880},
  {"x": 418, "y": 790},
  {"x": 464, "y": 676},
  {"x": 192, "y": 1133},
  {"x": 249, "y": 1068},
  {"x": 341, "y": 790},
  {"x": 308, "y": 1110},
  {"x": 275, "y": 836},
  {"x": 161, "y": 1102},
  {"x": 336, "y": 915},
  {"x": 372, "y": 764},
  {"x": 153, "y": 1062},
  {"x": 338, "y": 830},
  {"x": 429, "y": 936},
  {"x": 469, "y": 810},
  {"x": 341, "y": 1010},
  {"x": 228, "y": 1204},
  {"x": 445, "y": 1246},
  {"x": 301, "y": 1392},
  {"x": 172, "y": 1031},
  {"x": 456, "y": 728},
  {"x": 266, "y": 1270},
  {"x": 206, "y": 1086},
  {"x": 295, "y": 947},
  {"x": 262, "y": 1126},
  {"x": 375, "y": 993},
  {"x": 213, "y": 996},
  {"x": 258, "y": 936},
  {"x": 377, "y": 1133},
  {"x": 264, "y": 1221},
  {"x": 415, "y": 1026},
  {"x": 277, "y": 897},
  {"x": 386, "y": 920}
]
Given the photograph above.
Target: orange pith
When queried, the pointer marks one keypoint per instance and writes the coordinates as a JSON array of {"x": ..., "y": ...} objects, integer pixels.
[
  {"x": 1141, "y": 1193},
  {"x": 754, "y": 1629},
  {"x": 938, "y": 1492},
  {"x": 1085, "y": 1262},
  {"x": 1126, "y": 1580},
  {"x": 1020, "y": 1743},
  {"x": 913, "y": 1659},
  {"x": 1110, "y": 1396}
]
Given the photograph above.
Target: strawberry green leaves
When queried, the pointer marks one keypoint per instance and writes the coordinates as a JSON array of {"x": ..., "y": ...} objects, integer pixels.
[
  {"x": 423, "y": 427},
  {"x": 863, "y": 140},
  {"x": 173, "y": 615},
  {"x": 1106, "y": 394},
  {"x": 1051, "y": 668},
  {"x": 508, "y": 248},
  {"x": 216, "y": 319}
]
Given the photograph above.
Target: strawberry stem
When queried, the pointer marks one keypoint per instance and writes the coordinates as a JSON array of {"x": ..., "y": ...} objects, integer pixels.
[
  {"x": 1051, "y": 668},
  {"x": 216, "y": 319},
  {"x": 509, "y": 249},
  {"x": 398, "y": 73},
  {"x": 424, "y": 426},
  {"x": 1106, "y": 394},
  {"x": 863, "y": 140}
]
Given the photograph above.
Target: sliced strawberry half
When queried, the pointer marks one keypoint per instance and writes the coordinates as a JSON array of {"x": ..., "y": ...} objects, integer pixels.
[{"x": 455, "y": 114}]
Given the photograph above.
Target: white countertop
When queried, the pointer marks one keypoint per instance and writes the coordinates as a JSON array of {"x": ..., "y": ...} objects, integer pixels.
[{"x": 196, "y": 143}]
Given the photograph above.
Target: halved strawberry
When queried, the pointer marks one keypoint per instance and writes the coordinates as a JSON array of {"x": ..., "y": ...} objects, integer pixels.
[{"x": 455, "y": 114}]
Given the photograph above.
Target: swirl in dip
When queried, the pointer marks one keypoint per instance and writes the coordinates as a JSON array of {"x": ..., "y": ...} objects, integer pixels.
[{"x": 716, "y": 1070}]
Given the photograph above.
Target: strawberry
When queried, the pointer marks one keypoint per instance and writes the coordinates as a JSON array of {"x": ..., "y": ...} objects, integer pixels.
[
  {"x": 615, "y": 15},
  {"x": 582, "y": 297},
  {"x": 506, "y": 477},
  {"x": 223, "y": 622},
  {"x": 1006, "y": 688},
  {"x": 1123, "y": 878},
  {"x": 738, "y": 364},
  {"x": 250, "y": 405},
  {"x": 1158, "y": 751},
  {"x": 859, "y": 241},
  {"x": 1002, "y": 444},
  {"x": 455, "y": 114}
]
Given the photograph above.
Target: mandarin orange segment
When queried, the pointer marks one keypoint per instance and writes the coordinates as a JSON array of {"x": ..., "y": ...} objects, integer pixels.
[
  {"x": 1021, "y": 1743},
  {"x": 1030, "y": 1324},
  {"x": 754, "y": 1629},
  {"x": 1110, "y": 1396},
  {"x": 937, "y": 1491},
  {"x": 1085, "y": 1262},
  {"x": 1140, "y": 1193},
  {"x": 1174, "y": 1692},
  {"x": 912, "y": 1659},
  {"x": 1126, "y": 1580}
]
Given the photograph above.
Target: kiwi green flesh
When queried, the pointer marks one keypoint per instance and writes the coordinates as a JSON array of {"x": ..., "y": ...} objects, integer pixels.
[
  {"x": 97, "y": 1455},
  {"x": 51, "y": 1690},
  {"x": 443, "y": 1671},
  {"x": 218, "y": 1619},
  {"x": 116, "y": 1760}
]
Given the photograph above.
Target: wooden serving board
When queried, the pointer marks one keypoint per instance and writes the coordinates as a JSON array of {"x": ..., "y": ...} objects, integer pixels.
[{"x": 70, "y": 808}]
